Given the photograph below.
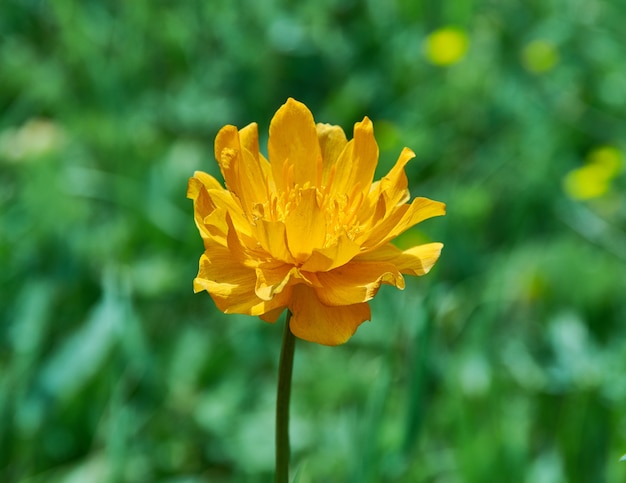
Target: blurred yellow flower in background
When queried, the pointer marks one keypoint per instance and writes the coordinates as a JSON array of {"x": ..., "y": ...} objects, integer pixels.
[
  {"x": 308, "y": 229},
  {"x": 539, "y": 56},
  {"x": 446, "y": 46},
  {"x": 593, "y": 179}
]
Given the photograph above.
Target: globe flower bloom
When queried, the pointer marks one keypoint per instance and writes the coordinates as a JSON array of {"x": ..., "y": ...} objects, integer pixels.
[{"x": 308, "y": 229}]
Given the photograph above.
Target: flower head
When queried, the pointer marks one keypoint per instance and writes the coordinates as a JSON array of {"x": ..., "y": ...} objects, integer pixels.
[
  {"x": 446, "y": 46},
  {"x": 308, "y": 229}
]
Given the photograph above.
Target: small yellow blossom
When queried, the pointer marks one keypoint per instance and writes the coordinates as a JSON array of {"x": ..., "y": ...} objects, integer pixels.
[
  {"x": 594, "y": 178},
  {"x": 308, "y": 229},
  {"x": 587, "y": 182},
  {"x": 609, "y": 158},
  {"x": 446, "y": 46},
  {"x": 539, "y": 56}
]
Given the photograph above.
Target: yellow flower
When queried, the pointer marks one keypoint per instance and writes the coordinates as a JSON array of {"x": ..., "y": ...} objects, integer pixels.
[
  {"x": 446, "y": 46},
  {"x": 539, "y": 56},
  {"x": 594, "y": 178},
  {"x": 307, "y": 230}
]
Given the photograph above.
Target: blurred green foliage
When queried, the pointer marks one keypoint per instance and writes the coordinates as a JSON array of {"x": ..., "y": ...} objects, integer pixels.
[{"x": 507, "y": 361}]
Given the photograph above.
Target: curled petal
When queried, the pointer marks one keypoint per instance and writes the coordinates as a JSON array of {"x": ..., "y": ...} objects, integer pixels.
[
  {"x": 231, "y": 285},
  {"x": 332, "y": 256},
  {"x": 201, "y": 180},
  {"x": 356, "y": 282},
  {"x": 324, "y": 324},
  {"x": 400, "y": 219},
  {"x": 394, "y": 185},
  {"x": 203, "y": 206},
  {"x": 414, "y": 261},
  {"x": 272, "y": 279}
]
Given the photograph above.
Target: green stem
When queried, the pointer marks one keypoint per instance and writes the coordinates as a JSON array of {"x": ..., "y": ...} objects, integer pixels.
[{"x": 285, "y": 370}]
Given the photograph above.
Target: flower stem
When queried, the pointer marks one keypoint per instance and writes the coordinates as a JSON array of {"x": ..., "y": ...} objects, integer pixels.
[{"x": 285, "y": 370}]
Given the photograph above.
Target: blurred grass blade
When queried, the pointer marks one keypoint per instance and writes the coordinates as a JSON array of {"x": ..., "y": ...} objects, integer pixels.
[{"x": 85, "y": 351}]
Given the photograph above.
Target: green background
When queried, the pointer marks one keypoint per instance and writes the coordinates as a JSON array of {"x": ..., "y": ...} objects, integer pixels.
[{"x": 507, "y": 362}]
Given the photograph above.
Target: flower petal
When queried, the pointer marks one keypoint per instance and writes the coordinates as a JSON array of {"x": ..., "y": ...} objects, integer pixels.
[
  {"x": 225, "y": 199},
  {"x": 249, "y": 139},
  {"x": 414, "y": 261},
  {"x": 400, "y": 219},
  {"x": 271, "y": 278},
  {"x": 231, "y": 285},
  {"x": 199, "y": 180},
  {"x": 356, "y": 282},
  {"x": 305, "y": 225},
  {"x": 394, "y": 185},
  {"x": 203, "y": 206},
  {"x": 244, "y": 172},
  {"x": 293, "y": 145},
  {"x": 357, "y": 163},
  {"x": 332, "y": 256},
  {"x": 316, "y": 322},
  {"x": 272, "y": 315},
  {"x": 272, "y": 237},
  {"x": 332, "y": 141}
]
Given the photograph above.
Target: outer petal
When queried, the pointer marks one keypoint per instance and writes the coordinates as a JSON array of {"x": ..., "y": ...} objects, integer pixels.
[
  {"x": 394, "y": 185},
  {"x": 225, "y": 199},
  {"x": 293, "y": 144},
  {"x": 400, "y": 219},
  {"x": 249, "y": 139},
  {"x": 272, "y": 278},
  {"x": 414, "y": 261},
  {"x": 231, "y": 285},
  {"x": 203, "y": 207},
  {"x": 199, "y": 180},
  {"x": 316, "y": 322},
  {"x": 357, "y": 163},
  {"x": 244, "y": 172},
  {"x": 356, "y": 282}
]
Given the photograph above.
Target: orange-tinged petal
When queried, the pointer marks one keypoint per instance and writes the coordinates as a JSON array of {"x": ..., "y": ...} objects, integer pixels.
[
  {"x": 271, "y": 278},
  {"x": 324, "y": 324},
  {"x": 332, "y": 141},
  {"x": 231, "y": 285},
  {"x": 272, "y": 315},
  {"x": 305, "y": 226},
  {"x": 357, "y": 163},
  {"x": 332, "y": 256},
  {"x": 293, "y": 145},
  {"x": 356, "y": 282},
  {"x": 400, "y": 219},
  {"x": 417, "y": 260}
]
